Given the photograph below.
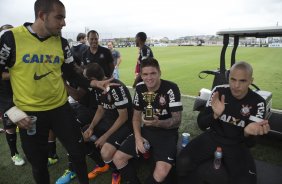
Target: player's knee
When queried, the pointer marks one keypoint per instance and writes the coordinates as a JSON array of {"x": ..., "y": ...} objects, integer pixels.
[
  {"x": 161, "y": 171},
  {"x": 120, "y": 159},
  {"x": 108, "y": 151}
]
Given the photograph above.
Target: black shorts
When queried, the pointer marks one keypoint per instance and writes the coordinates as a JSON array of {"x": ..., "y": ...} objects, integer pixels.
[
  {"x": 84, "y": 115},
  {"x": 5, "y": 104},
  {"x": 117, "y": 138},
  {"x": 163, "y": 144}
]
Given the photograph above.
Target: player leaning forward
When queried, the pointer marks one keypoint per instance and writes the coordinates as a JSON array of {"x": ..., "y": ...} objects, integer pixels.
[{"x": 37, "y": 56}]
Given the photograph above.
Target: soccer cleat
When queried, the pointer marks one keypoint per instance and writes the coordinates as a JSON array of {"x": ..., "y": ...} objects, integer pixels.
[
  {"x": 18, "y": 160},
  {"x": 52, "y": 161},
  {"x": 116, "y": 178},
  {"x": 66, "y": 178},
  {"x": 98, "y": 170}
]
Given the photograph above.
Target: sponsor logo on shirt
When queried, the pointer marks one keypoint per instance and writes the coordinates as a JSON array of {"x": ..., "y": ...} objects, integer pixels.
[
  {"x": 41, "y": 58},
  {"x": 38, "y": 77}
]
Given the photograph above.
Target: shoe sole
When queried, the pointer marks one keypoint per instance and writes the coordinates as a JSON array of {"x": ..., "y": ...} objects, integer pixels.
[
  {"x": 50, "y": 164},
  {"x": 71, "y": 178},
  {"x": 19, "y": 164},
  {"x": 97, "y": 173}
]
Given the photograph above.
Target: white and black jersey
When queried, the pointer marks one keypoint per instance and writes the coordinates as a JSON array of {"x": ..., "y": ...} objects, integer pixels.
[
  {"x": 118, "y": 97},
  {"x": 145, "y": 52},
  {"x": 167, "y": 99},
  {"x": 235, "y": 117}
]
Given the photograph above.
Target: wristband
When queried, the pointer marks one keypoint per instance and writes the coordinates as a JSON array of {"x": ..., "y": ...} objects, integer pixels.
[{"x": 15, "y": 114}]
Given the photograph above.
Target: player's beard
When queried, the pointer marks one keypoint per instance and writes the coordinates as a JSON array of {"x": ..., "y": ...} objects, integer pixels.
[{"x": 51, "y": 31}]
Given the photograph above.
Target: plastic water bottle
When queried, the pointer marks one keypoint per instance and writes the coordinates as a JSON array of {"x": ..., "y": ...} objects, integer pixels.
[
  {"x": 185, "y": 139},
  {"x": 93, "y": 138},
  {"x": 32, "y": 130},
  {"x": 147, "y": 146},
  {"x": 217, "y": 158}
]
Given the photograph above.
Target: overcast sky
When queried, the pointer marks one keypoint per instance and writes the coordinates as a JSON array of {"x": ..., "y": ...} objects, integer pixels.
[{"x": 158, "y": 18}]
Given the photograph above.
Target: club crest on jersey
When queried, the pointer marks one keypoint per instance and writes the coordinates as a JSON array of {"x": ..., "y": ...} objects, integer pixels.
[
  {"x": 102, "y": 56},
  {"x": 245, "y": 111},
  {"x": 162, "y": 100},
  {"x": 109, "y": 97}
]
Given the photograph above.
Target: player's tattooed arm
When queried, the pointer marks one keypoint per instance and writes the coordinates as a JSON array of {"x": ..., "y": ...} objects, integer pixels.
[{"x": 170, "y": 123}]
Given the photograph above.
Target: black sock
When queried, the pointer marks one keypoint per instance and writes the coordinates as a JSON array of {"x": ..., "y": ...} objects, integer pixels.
[
  {"x": 70, "y": 163},
  {"x": 52, "y": 153},
  {"x": 128, "y": 174},
  {"x": 95, "y": 154},
  {"x": 151, "y": 180},
  {"x": 12, "y": 142},
  {"x": 183, "y": 179},
  {"x": 112, "y": 166}
]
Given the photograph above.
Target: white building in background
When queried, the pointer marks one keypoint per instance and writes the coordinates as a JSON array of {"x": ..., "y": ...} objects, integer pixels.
[
  {"x": 275, "y": 45},
  {"x": 275, "y": 42}
]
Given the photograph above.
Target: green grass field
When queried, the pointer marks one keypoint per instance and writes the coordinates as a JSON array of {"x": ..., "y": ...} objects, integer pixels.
[{"x": 182, "y": 65}]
